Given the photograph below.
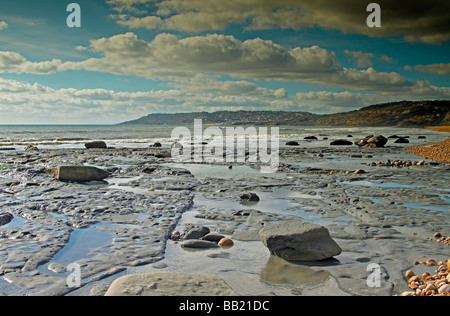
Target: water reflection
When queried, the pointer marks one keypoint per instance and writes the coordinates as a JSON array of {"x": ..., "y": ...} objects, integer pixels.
[{"x": 278, "y": 271}]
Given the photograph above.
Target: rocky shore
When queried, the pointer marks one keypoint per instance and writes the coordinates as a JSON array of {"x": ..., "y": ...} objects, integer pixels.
[{"x": 125, "y": 223}]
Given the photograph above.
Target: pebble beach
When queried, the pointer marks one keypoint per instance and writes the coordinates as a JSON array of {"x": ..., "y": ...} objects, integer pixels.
[
  {"x": 378, "y": 213},
  {"x": 437, "y": 152}
]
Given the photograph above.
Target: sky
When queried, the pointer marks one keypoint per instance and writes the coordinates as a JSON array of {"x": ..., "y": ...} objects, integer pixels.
[{"x": 131, "y": 58}]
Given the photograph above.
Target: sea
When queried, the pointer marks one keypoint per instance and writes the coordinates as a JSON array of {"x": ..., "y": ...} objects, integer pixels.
[{"x": 143, "y": 136}]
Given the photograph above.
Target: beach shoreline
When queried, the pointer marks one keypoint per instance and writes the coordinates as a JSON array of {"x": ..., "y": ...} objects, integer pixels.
[
  {"x": 437, "y": 151},
  {"x": 123, "y": 226},
  {"x": 444, "y": 129}
]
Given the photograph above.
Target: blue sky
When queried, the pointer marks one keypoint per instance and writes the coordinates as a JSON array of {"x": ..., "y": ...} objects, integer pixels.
[{"x": 135, "y": 57}]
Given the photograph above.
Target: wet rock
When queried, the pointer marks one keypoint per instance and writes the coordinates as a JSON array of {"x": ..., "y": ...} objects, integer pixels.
[
  {"x": 310, "y": 138},
  {"x": 292, "y": 143},
  {"x": 372, "y": 141},
  {"x": 156, "y": 145},
  {"x": 149, "y": 170},
  {"x": 363, "y": 142},
  {"x": 176, "y": 235},
  {"x": 250, "y": 197},
  {"x": 5, "y": 218},
  {"x": 96, "y": 145},
  {"x": 299, "y": 241},
  {"x": 196, "y": 243},
  {"x": 215, "y": 237},
  {"x": 163, "y": 155},
  {"x": 377, "y": 141},
  {"x": 401, "y": 140},
  {"x": 340, "y": 142},
  {"x": 226, "y": 242},
  {"x": 247, "y": 234},
  {"x": 196, "y": 232},
  {"x": 31, "y": 148},
  {"x": 57, "y": 267},
  {"x": 257, "y": 219},
  {"x": 77, "y": 173}
]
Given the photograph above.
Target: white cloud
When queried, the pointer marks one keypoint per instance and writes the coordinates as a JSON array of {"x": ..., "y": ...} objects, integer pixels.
[
  {"x": 417, "y": 21},
  {"x": 11, "y": 62},
  {"x": 81, "y": 48},
  {"x": 206, "y": 84},
  {"x": 168, "y": 57},
  {"x": 23, "y": 103},
  {"x": 3, "y": 25},
  {"x": 195, "y": 69},
  {"x": 388, "y": 60},
  {"x": 334, "y": 102},
  {"x": 437, "y": 69},
  {"x": 362, "y": 60}
]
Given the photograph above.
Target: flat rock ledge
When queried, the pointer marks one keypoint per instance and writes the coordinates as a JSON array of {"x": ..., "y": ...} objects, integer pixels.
[
  {"x": 299, "y": 241},
  {"x": 170, "y": 284},
  {"x": 77, "y": 173}
]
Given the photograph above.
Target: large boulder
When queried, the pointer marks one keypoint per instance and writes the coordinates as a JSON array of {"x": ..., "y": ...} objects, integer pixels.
[
  {"x": 363, "y": 142},
  {"x": 299, "y": 241},
  {"x": 77, "y": 173},
  {"x": 377, "y": 141},
  {"x": 372, "y": 141}
]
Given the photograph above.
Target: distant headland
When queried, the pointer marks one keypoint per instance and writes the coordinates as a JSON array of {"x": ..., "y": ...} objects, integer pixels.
[{"x": 399, "y": 114}]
